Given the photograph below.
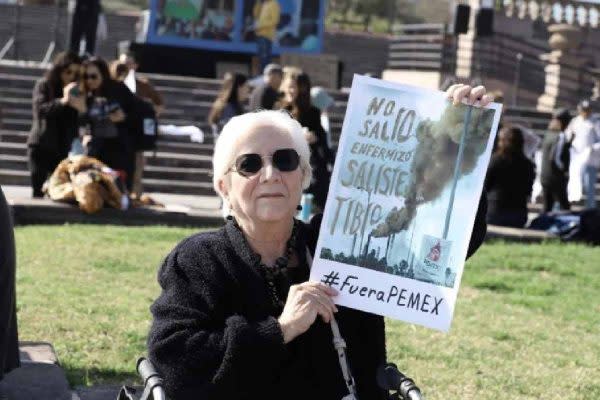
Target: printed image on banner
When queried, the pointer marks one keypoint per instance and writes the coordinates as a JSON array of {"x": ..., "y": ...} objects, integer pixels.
[{"x": 402, "y": 202}]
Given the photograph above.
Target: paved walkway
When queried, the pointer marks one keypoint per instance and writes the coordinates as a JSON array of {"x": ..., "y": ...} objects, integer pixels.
[{"x": 178, "y": 210}]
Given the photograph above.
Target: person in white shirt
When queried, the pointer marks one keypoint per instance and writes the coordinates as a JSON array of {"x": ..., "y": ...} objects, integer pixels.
[{"x": 584, "y": 132}]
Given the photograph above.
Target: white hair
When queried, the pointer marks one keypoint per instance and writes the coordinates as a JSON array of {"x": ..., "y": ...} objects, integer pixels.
[{"x": 224, "y": 156}]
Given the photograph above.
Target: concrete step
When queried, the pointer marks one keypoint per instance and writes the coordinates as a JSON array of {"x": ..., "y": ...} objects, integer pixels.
[
  {"x": 178, "y": 187},
  {"x": 167, "y": 159},
  {"x": 28, "y": 211},
  {"x": 14, "y": 177},
  {"x": 165, "y": 145},
  {"x": 173, "y": 144},
  {"x": 8, "y": 136},
  {"x": 15, "y": 158},
  {"x": 12, "y": 67},
  {"x": 15, "y": 149},
  {"x": 16, "y": 124},
  {"x": 12, "y": 162},
  {"x": 178, "y": 174},
  {"x": 39, "y": 377},
  {"x": 17, "y": 92}
]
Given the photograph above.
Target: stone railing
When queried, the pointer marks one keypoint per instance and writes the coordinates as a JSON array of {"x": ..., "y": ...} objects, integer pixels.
[{"x": 579, "y": 13}]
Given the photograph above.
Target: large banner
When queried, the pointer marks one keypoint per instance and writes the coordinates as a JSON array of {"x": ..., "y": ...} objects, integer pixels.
[
  {"x": 402, "y": 202},
  {"x": 230, "y": 25}
]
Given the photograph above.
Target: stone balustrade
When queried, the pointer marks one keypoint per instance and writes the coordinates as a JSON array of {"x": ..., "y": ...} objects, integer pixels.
[{"x": 578, "y": 13}]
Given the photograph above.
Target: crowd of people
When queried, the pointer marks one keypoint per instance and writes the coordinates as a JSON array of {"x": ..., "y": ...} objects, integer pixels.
[
  {"x": 567, "y": 167},
  {"x": 289, "y": 90},
  {"x": 84, "y": 106}
]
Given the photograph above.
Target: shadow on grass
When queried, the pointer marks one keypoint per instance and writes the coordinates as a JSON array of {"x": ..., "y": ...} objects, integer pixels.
[
  {"x": 101, "y": 376},
  {"x": 499, "y": 287}
]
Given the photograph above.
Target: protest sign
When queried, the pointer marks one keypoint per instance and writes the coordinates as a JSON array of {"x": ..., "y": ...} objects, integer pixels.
[{"x": 402, "y": 201}]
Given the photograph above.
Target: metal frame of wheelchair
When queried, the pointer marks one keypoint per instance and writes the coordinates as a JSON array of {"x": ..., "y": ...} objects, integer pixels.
[{"x": 389, "y": 378}]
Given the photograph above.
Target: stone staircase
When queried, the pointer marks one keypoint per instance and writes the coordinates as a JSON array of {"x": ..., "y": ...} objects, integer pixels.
[
  {"x": 41, "y": 377},
  {"x": 177, "y": 166}
]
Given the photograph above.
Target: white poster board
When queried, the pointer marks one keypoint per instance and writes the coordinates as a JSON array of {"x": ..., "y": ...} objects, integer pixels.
[{"x": 402, "y": 201}]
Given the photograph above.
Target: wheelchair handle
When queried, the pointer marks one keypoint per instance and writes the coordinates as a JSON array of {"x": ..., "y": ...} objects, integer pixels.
[{"x": 151, "y": 378}]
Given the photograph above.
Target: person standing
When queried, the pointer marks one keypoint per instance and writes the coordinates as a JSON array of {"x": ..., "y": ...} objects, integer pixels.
[
  {"x": 296, "y": 89},
  {"x": 509, "y": 180},
  {"x": 146, "y": 91},
  {"x": 56, "y": 104},
  {"x": 230, "y": 101},
  {"x": 584, "y": 132},
  {"x": 555, "y": 162},
  {"x": 84, "y": 25},
  {"x": 9, "y": 343},
  {"x": 323, "y": 101},
  {"x": 108, "y": 104},
  {"x": 265, "y": 95},
  {"x": 267, "y": 14}
]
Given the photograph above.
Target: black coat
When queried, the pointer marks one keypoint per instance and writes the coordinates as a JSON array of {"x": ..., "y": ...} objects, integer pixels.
[
  {"x": 215, "y": 334},
  {"x": 54, "y": 125},
  {"x": 9, "y": 344},
  {"x": 320, "y": 156},
  {"x": 117, "y": 152},
  {"x": 508, "y": 183}
]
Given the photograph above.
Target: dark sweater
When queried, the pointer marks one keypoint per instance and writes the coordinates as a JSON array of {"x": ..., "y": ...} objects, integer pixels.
[
  {"x": 508, "y": 184},
  {"x": 9, "y": 343},
  {"x": 215, "y": 333},
  {"x": 54, "y": 125}
]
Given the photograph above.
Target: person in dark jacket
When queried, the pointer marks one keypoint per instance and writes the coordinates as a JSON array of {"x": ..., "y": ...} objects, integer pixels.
[
  {"x": 266, "y": 94},
  {"x": 108, "y": 104},
  {"x": 56, "y": 103},
  {"x": 509, "y": 180},
  {"x": 230, "y": 101},
  {"x": 556, "y": 156},
  {"x": 296, "y": 89},
  {"x": 9, "y": 343},
  {"x": 84, "y": 25},
  {"x": 237, "y": 317}
]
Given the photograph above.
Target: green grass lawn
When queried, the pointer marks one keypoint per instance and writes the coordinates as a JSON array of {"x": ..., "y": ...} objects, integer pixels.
[{"x": 526, "y": 325}]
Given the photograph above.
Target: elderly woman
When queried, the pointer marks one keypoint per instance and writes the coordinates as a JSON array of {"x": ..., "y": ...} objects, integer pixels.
[{"x": 237, "y": 317}]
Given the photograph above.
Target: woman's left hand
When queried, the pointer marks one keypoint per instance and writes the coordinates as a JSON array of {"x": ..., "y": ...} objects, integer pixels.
[
  {"x": 117, "y": 116},
  {"x": 475, "y": 96}
]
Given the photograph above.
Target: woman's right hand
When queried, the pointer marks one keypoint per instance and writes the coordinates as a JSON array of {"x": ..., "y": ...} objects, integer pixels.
[
  {"x": 73, "y": 100},
  {"x": 305, "y": 301}
]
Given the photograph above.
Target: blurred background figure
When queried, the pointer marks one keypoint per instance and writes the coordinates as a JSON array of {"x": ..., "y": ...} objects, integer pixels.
[
  {"x": 266, "y": 14},
  {"x": 266, "y": 94},
  {"x": 584, "y": 133},
  {"x": 141, "y": 86},
  {"x": 323, "y": 101},
  {"x": 57, "y": 102},
  {"x": 230, "y": 101},
  {"x": 9, "y": 343},
  {"x": 84, "y": 25},
  {"x": 509, "y": 180},
  {"x": 109, "y": 103},
  {"x": 556, "y": 158},
  {"x": 125, "y": 70},
  {"x": 296, "y": 100}
]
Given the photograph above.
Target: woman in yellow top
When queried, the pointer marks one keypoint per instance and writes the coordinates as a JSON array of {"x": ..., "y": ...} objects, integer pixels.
[{"x": 266, "y": 13}]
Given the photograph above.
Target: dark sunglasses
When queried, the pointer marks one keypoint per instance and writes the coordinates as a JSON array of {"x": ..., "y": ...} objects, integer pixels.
[
  {"x": 91, "y": 77},
  {"x": 285, "y": 160}
]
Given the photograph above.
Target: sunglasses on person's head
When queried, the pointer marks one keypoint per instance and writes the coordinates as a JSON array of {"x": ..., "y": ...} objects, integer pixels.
[
  {"x": 285, "y": 160},
  {"x": 91, "y": 77}
]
